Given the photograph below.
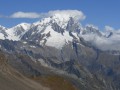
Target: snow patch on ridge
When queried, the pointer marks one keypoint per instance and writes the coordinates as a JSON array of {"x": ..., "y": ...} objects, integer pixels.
[
  {"x": 56, "y": 39},
  {"x": 15, "y": 33},
  {"x": 2, "y": 36}
]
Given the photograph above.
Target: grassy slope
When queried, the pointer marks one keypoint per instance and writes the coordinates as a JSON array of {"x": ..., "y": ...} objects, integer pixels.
[{"x": 55, "y": 82}]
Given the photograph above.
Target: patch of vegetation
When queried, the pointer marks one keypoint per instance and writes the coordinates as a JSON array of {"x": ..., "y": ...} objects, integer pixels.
[{"x": 55, "y": 82}]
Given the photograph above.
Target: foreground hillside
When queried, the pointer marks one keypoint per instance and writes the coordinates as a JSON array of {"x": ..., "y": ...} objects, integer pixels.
[{"x": 10, "y": 79}]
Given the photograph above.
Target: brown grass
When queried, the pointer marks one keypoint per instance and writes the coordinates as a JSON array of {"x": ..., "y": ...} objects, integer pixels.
[{"x": 55, "y": 83}]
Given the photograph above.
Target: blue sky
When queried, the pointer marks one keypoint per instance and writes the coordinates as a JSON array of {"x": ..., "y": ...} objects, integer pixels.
[{"x": 98, "y": 12}]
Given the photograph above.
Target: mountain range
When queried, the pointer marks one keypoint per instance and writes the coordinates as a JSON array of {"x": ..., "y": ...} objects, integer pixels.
[
  {"x": 65, "y": 25},
  {"x": 58, "y": 47}
]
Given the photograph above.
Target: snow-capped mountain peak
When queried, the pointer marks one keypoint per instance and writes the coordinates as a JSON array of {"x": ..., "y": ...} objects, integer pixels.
[
  {"x": 58, "y": 19},
  {"x": 16, "y": 32},
  {"x": 48, "y": 32},
  {"x": 25, "y": 26},
  {"x": 61, "y": 17}
]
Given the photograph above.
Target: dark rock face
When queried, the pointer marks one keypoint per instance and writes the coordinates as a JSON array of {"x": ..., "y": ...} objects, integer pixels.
[
  {"x": 91, "y": 29},
  {"x": 57, "y": 28},
  {"x": 29, "y": 36},
  {"x": 19, "y": 30},
  {"x": 72, "y": 26},
  {"x": 110, "y": 34}
]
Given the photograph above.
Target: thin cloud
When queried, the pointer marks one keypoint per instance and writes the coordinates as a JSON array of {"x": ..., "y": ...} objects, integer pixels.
[
  {"x": 25, "y": 15},
  {"x": 109, "y": 28},
  {"x": 78, "y": 15}
]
